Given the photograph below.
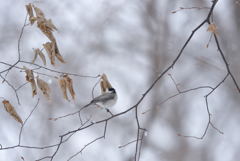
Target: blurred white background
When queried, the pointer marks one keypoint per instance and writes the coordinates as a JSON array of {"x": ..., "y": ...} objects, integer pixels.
[{"x": 132, "y": 42}]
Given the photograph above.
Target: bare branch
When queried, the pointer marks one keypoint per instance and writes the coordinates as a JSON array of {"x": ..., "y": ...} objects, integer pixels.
[
  {"x": 88, "y": 144},
  {"x": 13, "y": 88},
  {"x": 59, "y": 72},
  {"x": 139, "y": 130},
  {"x": 124, "y": 145},
  {"x": 189, "y": 8},
  {"x": 20, "y": 133},
  {"x": 209, "y": 114}
]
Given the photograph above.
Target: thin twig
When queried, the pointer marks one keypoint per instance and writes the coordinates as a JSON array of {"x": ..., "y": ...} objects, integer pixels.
[
  {"x": 209, "y": 113},
  {"x": 124, "y": 145},
  {"x": 177, "y": 94},
  {"x": 20, "y": 133},
  {"x": 189, "y": 8},
  {"x": 59, "y": 72},
  {"x": 13, "y": 88}
]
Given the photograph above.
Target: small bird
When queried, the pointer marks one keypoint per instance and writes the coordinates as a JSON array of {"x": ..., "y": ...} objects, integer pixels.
[{"x": 105, "y": 100}]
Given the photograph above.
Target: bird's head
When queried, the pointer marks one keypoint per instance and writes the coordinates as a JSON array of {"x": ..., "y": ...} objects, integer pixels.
[{"x": 111, "y": 90}]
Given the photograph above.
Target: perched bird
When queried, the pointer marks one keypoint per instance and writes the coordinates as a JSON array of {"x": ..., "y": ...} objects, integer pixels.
[{"x": 105, "y": 100}]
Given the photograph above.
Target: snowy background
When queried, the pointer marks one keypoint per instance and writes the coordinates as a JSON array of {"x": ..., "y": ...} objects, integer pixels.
[{"x": 132, "y": 42}]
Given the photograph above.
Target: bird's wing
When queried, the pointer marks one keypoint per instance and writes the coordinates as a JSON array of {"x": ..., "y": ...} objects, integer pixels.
[{"x": 103, "y": 98}]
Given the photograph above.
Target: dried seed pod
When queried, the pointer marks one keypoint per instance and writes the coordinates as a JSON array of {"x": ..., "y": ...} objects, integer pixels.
[
  {"x": 42, "y": 56},
  {"x": 49, "y": 47},
  {"x": 46, "y": 26},
  {"x": 30, "y": 78},
  {"x": 11, "y": 110},
  {"x": 57, "y": 53},
  {"x": 52, "y": 50},
  {"x": 35, "y": 56},
  {"x": 105, "y": 84},
  {"x": 212, "y": 28},
  {"x": 44, "y": 87},
  {"x": 39, "y": 12},
  {"x": 29, "y": 9},
  {"x": 63, "y": 86},
  {"x": 46, "y": 31},
  {"x": 50, "y": 25},
  {"x": 39, "y": 53},
  {"x": 69, "y": 84}
]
